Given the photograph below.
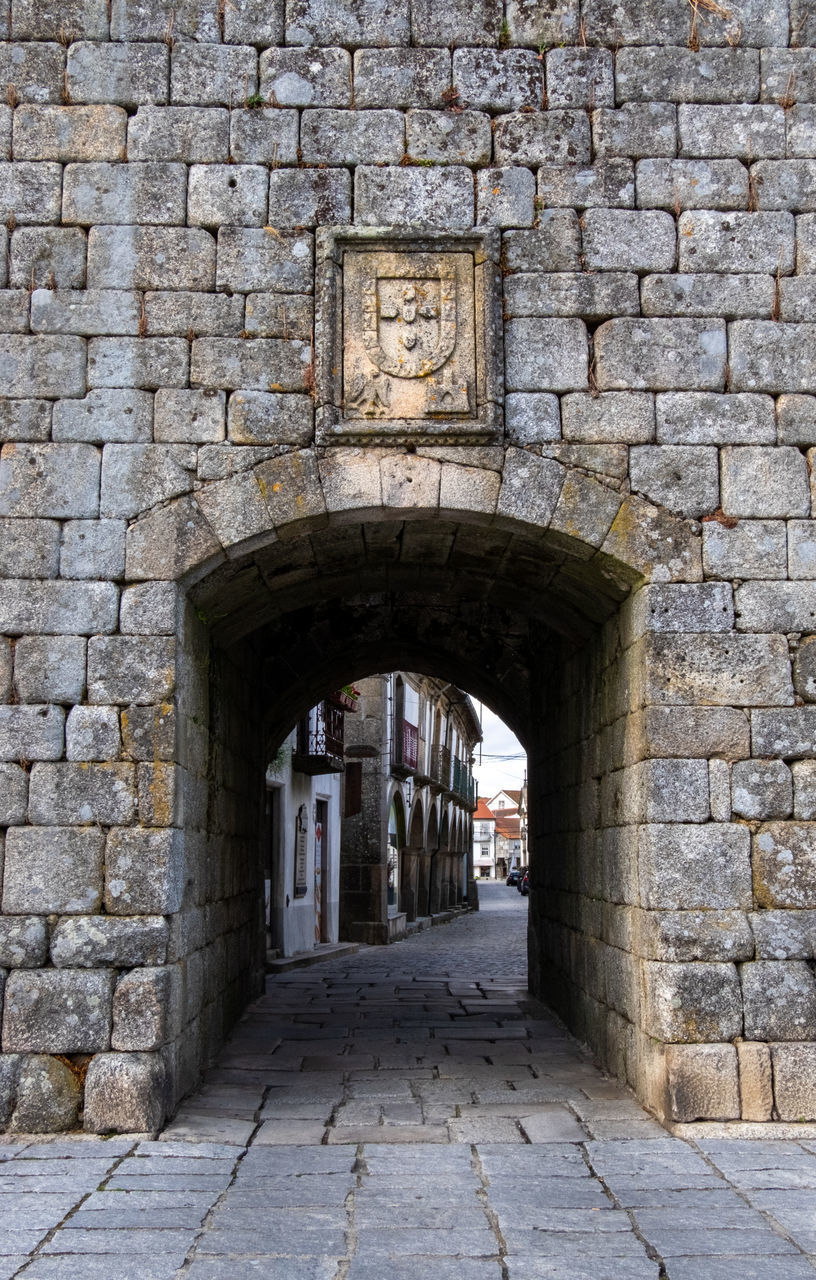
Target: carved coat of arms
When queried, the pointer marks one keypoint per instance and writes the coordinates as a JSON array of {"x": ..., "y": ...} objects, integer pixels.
[{"x": 408, "y": 314}]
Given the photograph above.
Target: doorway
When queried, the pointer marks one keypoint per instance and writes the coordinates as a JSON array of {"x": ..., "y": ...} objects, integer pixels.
[{"x": 321, "y": 870}]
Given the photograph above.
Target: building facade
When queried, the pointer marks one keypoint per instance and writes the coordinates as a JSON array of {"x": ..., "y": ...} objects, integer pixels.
[
  {"x": 410, "y": 795},
  {"x": 484, "y": 842},
  {"x": 508, "y": 843},
  {"x": 303, "y": 814}
]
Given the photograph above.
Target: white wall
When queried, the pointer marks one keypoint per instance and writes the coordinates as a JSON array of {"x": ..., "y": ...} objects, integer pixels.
[{"x": 294, "y": 918}]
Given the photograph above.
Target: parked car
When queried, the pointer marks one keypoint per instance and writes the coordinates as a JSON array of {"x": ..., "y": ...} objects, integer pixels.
[
  {"x": 514, "y": 876},
  {"x": 522, "y": 871},
  {"x": 524, "y": 884}
]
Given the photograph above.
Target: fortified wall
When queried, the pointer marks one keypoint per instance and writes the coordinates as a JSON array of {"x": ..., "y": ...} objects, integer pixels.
[{"x": 472, "y": 338}]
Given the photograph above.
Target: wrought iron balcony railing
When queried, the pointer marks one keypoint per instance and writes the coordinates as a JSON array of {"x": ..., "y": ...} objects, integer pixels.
[
  {"x": 440, "y": 769},
  {"x": 320, "y": 740}
]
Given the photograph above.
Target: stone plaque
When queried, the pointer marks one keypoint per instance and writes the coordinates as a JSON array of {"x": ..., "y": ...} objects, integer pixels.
[{"x": 403, "y": 330}]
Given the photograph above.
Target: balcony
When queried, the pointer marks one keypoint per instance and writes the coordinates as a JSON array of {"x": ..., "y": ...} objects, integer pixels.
[
  {"x": 319, "y": 746},
  {"x": 463, "y": 787},
  {"x": 440, "y": 769},
  {"x": 404, "y": 749}
]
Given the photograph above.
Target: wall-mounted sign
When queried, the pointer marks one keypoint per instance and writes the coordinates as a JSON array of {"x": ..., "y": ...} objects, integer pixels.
[
  {"x": 408, "y": 337},
  {"x": 301, "y": 825}
]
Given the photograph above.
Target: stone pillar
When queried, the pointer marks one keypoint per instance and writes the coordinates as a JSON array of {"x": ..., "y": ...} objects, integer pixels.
[
  {"x": 364, "y": 836},
  {"x": 409, "y": 881}
]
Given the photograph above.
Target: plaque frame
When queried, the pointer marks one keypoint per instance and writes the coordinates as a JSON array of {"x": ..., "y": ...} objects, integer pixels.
[{"x": 485, "y": 423}]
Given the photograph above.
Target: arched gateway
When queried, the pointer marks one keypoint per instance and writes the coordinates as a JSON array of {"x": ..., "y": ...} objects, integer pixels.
[
  {"x": 277, "y": 417},
  {"x": 533, "y": 585}
]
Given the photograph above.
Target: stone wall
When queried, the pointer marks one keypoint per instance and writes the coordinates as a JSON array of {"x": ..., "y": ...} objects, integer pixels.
[
  {"x": 218, "y": 937},
  {"x": 649, "y": 937},
  {"x": 364, "y": 838},
  {"x": 625, "y": 569}
]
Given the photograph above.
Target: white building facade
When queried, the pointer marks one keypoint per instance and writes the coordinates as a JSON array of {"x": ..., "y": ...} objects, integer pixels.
[
  {"x": 484, "y": 842},
  {"x": 303, "y": 811}
]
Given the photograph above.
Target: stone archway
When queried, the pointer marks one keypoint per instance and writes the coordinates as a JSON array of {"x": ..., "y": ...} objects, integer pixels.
[
  {"x": 354, "y": 560},
  {"x": 319, "y": 566},
  {"x": 414, "y": 857},
  {"x": 416, "y": 825},
  {"x": 432, "y": 846}
]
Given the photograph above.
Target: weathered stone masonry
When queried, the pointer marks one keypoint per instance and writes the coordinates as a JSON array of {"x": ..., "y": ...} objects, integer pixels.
[{"x": 185, "y": 566}]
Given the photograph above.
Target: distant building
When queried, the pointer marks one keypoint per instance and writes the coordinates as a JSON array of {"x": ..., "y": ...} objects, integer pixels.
[
  {"x": 523, "y": 822},
  {"x": 407, "y": 834},
  {"x": 504, "y": 800},
  {"x": 484, "y": 842},
  {"x": 499, "y": 834},
  {"x": 508, "y": 842}
]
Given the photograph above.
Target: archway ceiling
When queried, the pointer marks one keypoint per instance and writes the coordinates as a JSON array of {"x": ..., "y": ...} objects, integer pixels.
[
  {"x": 564, "y": 591},
  {"x": 479, "y": 606}
]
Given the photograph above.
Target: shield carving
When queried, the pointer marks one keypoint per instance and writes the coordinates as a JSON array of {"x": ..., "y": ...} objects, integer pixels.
[{"x": 409, "y": 320}]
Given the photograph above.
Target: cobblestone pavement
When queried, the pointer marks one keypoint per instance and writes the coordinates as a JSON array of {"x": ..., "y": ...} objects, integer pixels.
[{"x": 408, "y": 1113}]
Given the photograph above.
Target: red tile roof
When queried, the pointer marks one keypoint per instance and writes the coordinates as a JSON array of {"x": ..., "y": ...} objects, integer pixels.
[
  {"x": 509, "y": 826},
  {"x": 482, "y": 813}
]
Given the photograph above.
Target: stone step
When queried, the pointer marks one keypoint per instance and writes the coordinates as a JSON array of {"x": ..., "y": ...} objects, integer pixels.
[{"x": 301, "y": 959}]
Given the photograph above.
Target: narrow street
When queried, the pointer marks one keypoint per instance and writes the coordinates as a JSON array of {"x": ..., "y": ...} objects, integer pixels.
[{"x": 405, "y": 1113}]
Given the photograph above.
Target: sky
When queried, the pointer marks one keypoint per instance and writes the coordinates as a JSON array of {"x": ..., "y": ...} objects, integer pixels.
[{"x": 497, "y": 774}]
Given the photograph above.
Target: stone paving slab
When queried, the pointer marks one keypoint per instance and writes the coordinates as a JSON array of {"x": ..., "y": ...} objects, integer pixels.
[
  {"x": 570, "y": 1268},
  {"x": 430, "y": 1215},
  {"x": 681, "y": 1242},
  {"x": 304, "y": 1192},
  {"x": 263, "y": 1269},
  {"x": 107, "y": 1267},
  {"x": 575, "y": 1244},
  {"x": 763, "y": 1179},
  {"x": 58, "y": 1170},
  {"x": 626, "y": 1129},
  {"x": 554, "y": 1219},
  {"x": 739, "y": 1267},
  {"x": 466, "y": 1156},
  {"x": 388, "y": 1134},
  {"x": 79, "y": 1147},
  {"x": 146, "y": 1201},
  {"x": 551, "y": 1124},
  {"x": 211, "y": 1129},
  {"x": 11, "y": 1265},
  {"x": 284, "y": 1132},
  {"x": 401, "y": 1242},
  {"x": 274, "y": 1239},
  {"x": 706, "y": 1130},
  {"x": 126, "y": 1242},
  {"x": 123, "y": 1215},
  {"x": 509, "y": 1197},
  {"x": 416, "y": 1268},
  {"x": 14, "y": 1243},
  {"x": 167, "y": 1182}
]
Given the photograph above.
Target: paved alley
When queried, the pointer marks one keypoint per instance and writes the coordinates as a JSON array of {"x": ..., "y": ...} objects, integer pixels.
[{"x": 407, "y": 1113}]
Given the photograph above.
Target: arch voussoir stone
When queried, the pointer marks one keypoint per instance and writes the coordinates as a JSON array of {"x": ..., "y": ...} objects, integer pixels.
[
  {"x": 654, "y": 542},
  {"x": 171, "y": 542},
  {"x": 351, "y": 479},
  {"x": 236, "y": 510},
  {"x": 530, "y": 488}
]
